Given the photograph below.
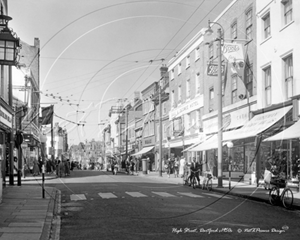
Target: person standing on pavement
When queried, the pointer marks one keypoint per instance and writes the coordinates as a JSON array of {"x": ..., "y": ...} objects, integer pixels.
[
  {"x": 176, "y": 167},
  {"x": 170, "y": 166},
  {"x": 181, "y": 166},
  {"x": 36, "y": 169},
  {"x": 132, "y": 164}
]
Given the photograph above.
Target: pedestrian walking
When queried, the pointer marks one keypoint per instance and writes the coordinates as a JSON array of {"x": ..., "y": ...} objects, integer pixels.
[
  {"x": 61, "y": 168},
  {"x": 67, "y": 168},
  {"x": 176, "y": 167}
]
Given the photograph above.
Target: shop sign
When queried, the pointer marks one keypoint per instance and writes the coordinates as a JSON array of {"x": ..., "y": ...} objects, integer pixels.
[
  {"x": 5, "y": 117},
  {"x": 212, "y": 69},
  {"x": 148, "y": 141},
  {"x": 190, "y": 106},
  {"x": 230, "y": 121}
]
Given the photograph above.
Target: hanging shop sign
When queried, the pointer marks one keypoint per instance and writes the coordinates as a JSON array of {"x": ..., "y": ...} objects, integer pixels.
[{"x": 5, "y": 117}]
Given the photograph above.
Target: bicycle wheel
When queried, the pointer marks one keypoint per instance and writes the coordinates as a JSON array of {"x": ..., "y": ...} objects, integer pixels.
[
  {"x": 185, "y": 180},
  {"x": 287, "y": 198},
  {"x": 274, "y": 195},
  {"x": 209, "y": 185},
  {"x": 194, "y": 182}
]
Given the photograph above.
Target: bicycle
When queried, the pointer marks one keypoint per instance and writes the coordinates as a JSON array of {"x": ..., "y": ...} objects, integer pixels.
[
  {"x": 193, "y": 179},
  {"x": 207, "y": 181},
  {"x": 286, "y": 197}
]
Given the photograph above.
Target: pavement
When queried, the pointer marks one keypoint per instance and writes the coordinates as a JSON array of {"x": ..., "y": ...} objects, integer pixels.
[{"x": 29, "y": 213}]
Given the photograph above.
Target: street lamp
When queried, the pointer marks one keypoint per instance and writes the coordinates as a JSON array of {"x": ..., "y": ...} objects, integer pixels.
[
  {"x": 9, "y": 43},
  {"x": 219, "y": 39}
]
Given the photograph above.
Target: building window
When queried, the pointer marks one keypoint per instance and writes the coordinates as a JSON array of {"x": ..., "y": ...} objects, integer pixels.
[
  {"x": 211, "y": 50},
  {"x": 179, "y": 93},
  {"x": 268, "y": 81},
  {"x": 267, "y": 26},
  {"x": 164, "y": 132},
  {"x": 172, "y": 74},
  {"x": 249, "y": 24},
  {"x": 188, "y": 88},
  {"x": 249, "y": 79},
  {"x": 179, "y": 68},
  {"x": 197, "y": 53},
  {"x": 211, "y": 99},
  {"x": 172, "y": 98},
  {"x": 288, "y": 75},
  {"x": 164, "y": 107},
  {"x": 188, "y": 63},
  {"x": 234, "y": 31},
  {"x": 151, "y": 128},
  {"x": 287, "y": 11},
  {"x": 234, "y": 88},
  {"x": 198, "y": 119},
  {"x": 197, "y": 83}
]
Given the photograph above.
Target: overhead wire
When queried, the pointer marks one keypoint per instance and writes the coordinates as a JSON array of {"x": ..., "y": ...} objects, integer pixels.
[{"x": 170, "y": 41}]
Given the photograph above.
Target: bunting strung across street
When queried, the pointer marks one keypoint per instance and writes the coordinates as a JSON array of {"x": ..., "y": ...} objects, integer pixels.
[
  {"x": 234, "y": 53},
  {"x": 47, "y": 115}
]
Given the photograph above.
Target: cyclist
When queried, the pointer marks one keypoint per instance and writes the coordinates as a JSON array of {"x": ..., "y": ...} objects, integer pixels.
[{"x": 195, "y": 166}]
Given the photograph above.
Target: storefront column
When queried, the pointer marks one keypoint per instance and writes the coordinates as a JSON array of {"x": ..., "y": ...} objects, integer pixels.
[
  {"x": 289, "y": 160},
  {"x": 11, "y": 165},
  {"x": 258, "y": 157}
]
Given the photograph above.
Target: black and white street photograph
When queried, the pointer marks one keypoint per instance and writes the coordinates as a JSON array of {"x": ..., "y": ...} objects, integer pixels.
[{"x": 149, "y": 119}]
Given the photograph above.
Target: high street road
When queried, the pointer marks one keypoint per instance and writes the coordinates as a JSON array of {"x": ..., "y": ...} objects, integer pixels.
[{"x": 99, "y": 205}]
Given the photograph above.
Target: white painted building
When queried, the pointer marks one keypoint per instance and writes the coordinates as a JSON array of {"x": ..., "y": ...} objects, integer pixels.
[
  {"x": 278, "y": 50},
  {"x": 278, "y": 77}
]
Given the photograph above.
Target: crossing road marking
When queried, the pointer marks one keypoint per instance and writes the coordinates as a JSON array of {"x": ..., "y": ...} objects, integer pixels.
[
  {"x": 190, "y": 195},
  {"x": 217, "y": 195},
  {"x": 136, "y": 194},
  {"x": 163, "y": 194},
  {"x": 107, "y": 195},
  {"x": 76, "y": 197}
]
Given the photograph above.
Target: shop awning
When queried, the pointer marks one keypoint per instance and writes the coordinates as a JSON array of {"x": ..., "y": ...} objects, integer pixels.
[
  {"x": 144, "y": 150},
  {"x": 289, "y": 133},
  {"x": 257, "y": 124},
  {"x": 202, "y": 139},
  {"x": 210, "y": 143}
]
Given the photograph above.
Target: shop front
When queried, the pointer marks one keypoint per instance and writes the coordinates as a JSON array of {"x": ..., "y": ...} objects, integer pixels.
[
  {"x": 6, "y": 120},
  {"x": 286, "y": 146},
  {"x": 244, "y": 152},
  {"x": 147, "y": 152}
]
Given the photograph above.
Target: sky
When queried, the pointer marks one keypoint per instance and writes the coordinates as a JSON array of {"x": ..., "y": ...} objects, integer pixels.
[{"x": 97, "y": 53}]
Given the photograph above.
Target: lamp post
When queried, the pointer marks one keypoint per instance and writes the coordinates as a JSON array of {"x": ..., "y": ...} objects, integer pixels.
[
  {"x": 219, "y": 39},
  {"x": 43, "y": 139},
  {"x": 160, "y": 128}
]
